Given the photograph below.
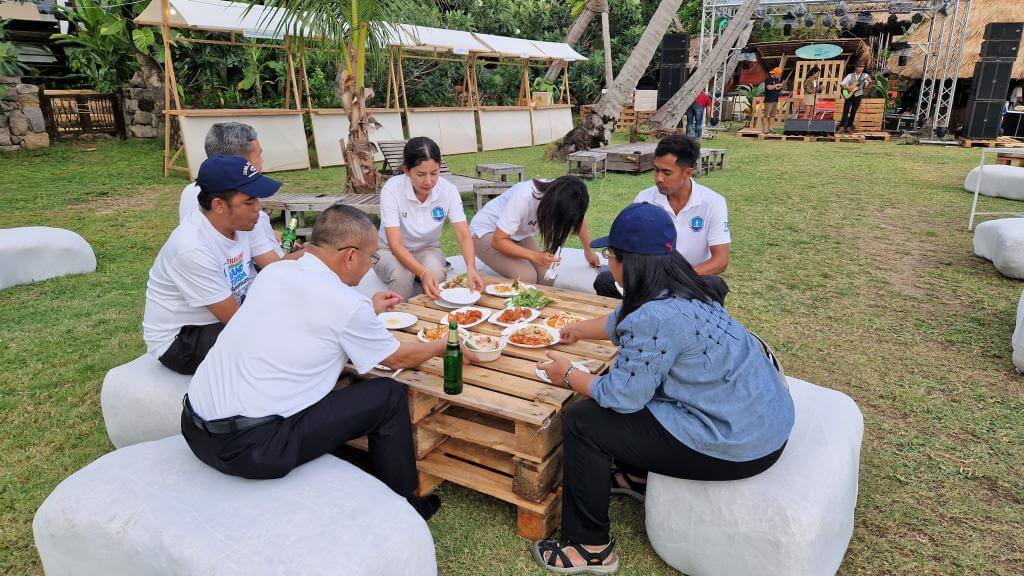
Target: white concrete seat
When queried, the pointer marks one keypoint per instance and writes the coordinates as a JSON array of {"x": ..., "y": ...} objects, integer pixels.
[
  {"x": 1002, "y": 242},
  {"x": 154, "y": 509},
  {"x": 795, "y": 519},
  {"x": 1018, "y": 337},
  {"x": 33, "y": 253},
  {"x": 141, "y": 401},
  {"x": 998, "y": 181}
]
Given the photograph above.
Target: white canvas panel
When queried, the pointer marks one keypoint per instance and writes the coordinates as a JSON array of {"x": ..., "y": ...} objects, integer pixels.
[
  {"x": 514, "y": 47},
  {"x": 559, "y": 50},
  {"x": 453, "y": 130},
  {"x": 329, "y": 126},
  {"x": 550, "y": 124},
  {"x": 282, "y": 136},
  {"x": 454, "y": 40},
  {"x": 501, "y": 129}
]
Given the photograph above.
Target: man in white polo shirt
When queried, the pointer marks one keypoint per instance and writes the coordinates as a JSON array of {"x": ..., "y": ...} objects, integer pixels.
[
  {"x": 264, "y": 401},
  {"x": 203, "y": 271},
  {"x": 700, "y": 215}
]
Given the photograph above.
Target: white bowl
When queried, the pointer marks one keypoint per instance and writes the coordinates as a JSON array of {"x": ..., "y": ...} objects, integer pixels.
[
  {"x": 534, "y": 313},
  {"x": 485, "y": 355},
  {"x": 508, "y": 332},
  {"x": 460, "y": 296}
]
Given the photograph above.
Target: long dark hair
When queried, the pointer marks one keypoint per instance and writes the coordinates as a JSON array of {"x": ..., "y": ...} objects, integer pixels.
[
  {"x": 563, "y": 204},
  {"x": 420, "y": 149},
  {"x": 656, "y": 277}
]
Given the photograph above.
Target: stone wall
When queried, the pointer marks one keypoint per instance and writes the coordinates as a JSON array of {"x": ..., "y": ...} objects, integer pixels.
[
  {"x": 143, "y": 106},
  {"x": 22, "y": 126}
]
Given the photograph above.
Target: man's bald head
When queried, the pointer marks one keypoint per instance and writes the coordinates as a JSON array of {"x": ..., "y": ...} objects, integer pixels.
[{"x": 341, "y": 226}]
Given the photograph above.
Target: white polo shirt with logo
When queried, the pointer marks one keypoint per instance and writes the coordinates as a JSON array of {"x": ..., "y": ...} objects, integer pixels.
[
  {"x": 514, "y": 212},
  {"x": 702, "y": 223},
  {"x": 420, "y": 222},
  {"x": 196, "y": 267},
  {"x": 283, "y": 351},
  {"x": 189, "y": 202}
]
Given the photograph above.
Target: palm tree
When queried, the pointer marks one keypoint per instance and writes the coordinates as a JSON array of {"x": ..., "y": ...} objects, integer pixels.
[
  {"x": 359, "y": 30},
  {"x": 585, "y": 11}
]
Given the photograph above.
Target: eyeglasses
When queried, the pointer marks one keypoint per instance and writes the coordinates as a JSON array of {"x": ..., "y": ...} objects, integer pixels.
[{"x": 373, "y": 257}]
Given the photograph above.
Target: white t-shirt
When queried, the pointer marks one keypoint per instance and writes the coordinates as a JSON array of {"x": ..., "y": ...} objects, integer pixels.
[
  {"x": 283, "y": 351},
  {"x": 420, "y": 222},
  {"x": 860, "y": 81},
  {"x": 196, "y": 267},
  {"x": 514, "y": 212},
  {"x": 702, "y": 223},
  {"x": 189, "y": 203}
]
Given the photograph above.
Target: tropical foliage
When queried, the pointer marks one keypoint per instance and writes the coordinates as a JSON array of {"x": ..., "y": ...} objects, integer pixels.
[{"x": 9, "y": 64}]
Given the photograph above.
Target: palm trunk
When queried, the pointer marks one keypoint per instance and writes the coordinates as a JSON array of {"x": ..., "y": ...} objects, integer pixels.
[
  {"x": 357, "y": 152},
  {"x": 605, "y": 113},
  {"x": 735, "y": 35},
  {"x": 606, "y": 39},
  {"x": 574, "y": 34}
]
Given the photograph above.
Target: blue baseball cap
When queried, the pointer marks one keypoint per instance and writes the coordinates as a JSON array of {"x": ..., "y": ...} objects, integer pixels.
[
  {"x": 641, "y": 229},
  {"x": 222, "y": 173}
]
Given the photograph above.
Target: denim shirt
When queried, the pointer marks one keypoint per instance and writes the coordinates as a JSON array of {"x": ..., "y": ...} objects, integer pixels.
[{"x": 702, "y": 375}]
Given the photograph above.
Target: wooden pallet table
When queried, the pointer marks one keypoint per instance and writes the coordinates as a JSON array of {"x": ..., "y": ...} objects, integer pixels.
[
  {"x": 502, "y": 436},
  {"x": 638, "y": 157},
  {"x": 500, "y": 171},
  {"x": 587, "y": 163},
  {"x": 1010, "y": 159}
]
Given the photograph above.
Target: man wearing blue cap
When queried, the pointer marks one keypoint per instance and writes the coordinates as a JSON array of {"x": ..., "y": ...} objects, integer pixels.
[{"x": 201, "y": 275}]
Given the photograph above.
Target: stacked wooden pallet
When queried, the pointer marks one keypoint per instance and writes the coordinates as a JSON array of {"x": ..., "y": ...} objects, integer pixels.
[
  {"x": 870, "y": 115},
  {"x": 1001, "y": 142}
]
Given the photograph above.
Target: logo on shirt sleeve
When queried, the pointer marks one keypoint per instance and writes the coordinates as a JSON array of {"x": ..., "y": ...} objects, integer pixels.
[
  {"x": 437, "y": 214},
  {"x": 725, "y": 226},
  {"x": 696, "y": 224}
]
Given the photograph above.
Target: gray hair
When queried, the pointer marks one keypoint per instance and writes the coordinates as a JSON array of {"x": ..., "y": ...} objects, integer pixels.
[
  {"x": 229, "y": 139},
  {"x": 341, "y": 226}
]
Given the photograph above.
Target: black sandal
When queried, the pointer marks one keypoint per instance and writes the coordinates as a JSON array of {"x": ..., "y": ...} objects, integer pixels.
[
  {"x": 595, "y": 561},
  {"x": 632, "y": 488}
]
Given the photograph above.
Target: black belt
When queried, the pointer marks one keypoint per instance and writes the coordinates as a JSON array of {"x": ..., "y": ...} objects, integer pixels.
[{"x": 224, "y": 425}]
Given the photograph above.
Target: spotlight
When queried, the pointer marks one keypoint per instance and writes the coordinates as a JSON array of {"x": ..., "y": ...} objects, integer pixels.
[
  {"x": 800, "y": 10},
  {"x": 840, "y": 8},
  {"x": 865, "y": 18},
  {"x": 767, "y": 23},
  {"x": 787, "y": 29},
  {"x": 844, "y": 21},
  {"x": 826, "y": 20},
  {"x": 917, "y": 18},
  {"x": 809, "y": 21}
]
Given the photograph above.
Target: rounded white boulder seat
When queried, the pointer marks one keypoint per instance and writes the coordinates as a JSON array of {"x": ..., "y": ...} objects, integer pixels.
[
  {"x": 1002, "y": 242},
  {"x": 33, "y": 253},
  {"x": 154, "y": 509},
  {"x": 998, "y": 181},
  {"x": 794, "y": 519},
  {"x": 1018, "y": 337},
  {"x": 141, "y": 401}
]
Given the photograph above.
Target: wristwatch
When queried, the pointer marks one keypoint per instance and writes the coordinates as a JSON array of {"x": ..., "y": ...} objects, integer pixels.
[{"x": 565, "y": 381}]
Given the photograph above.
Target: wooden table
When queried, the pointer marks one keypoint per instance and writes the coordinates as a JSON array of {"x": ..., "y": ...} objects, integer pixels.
[
  {"x": 299, "y": 204},
  {"x": 502, "y": 435},
  {"x": 637, "y": 157},
  {"x": 587, "y": 163},
  {"x": 500, "y": 171},
  {"x": 1007, "y": 159}
]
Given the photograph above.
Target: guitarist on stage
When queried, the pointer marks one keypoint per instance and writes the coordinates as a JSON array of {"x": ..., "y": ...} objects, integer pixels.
[{"x": 853, "y": 88}]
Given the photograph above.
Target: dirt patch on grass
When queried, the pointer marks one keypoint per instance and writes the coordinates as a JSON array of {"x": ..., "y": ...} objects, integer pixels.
[{"x": 141, "y": 199}]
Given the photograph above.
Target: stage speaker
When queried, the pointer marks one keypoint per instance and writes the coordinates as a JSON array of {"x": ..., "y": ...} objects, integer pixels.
[
  {"x": 1003, "y": 49},
  {"x": 983, "y": 118},
  {"x": 810, "y": 127},
  {"x": 991, "y": 79},
  {"x": 670, "y": 80},
  {"x": 1004, "y": 31},
  {"x": 675, "y": 49},
  {"x": 675, "y": 57},
  {"x": 1013, "y": 124}
]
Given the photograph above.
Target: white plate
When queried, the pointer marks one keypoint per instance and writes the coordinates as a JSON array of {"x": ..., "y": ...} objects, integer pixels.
[
  {"x": 460, "y": 296},
  {"x": 576, "y": 318},
  {"x": 397, "y": 320},
  {"x": 419, "y": 335},
  {"x": 494, "y": 318},
  {"x": 579, "y": 364},
  {"x": 508, "y": 332},
  {"x": 445, "y": 304},
  {"x": 490, "y": 289},
  {"x": 485, "y": 311}
]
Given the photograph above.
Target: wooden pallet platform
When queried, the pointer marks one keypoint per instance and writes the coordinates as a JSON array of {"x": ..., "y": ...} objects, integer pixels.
[
  {"x": 1001, "y": 142},
  {"x": 878, "y": 135},
  {"x": 1011, "y": 159},
  {"x": 749, "y": 133}
]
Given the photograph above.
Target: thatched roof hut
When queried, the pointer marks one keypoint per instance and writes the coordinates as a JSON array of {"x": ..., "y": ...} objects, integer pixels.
[{"x": 982, "y": 12}]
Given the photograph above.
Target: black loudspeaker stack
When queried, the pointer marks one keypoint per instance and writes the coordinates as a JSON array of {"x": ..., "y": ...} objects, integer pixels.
[
  {"x": 991, "y": 81},
  {"x": 810, "y": 127},
  {"x": 675, "y": 55}
]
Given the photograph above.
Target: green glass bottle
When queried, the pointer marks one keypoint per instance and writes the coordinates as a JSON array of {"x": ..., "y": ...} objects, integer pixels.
[
  {"x": 289, "y": 235},
  {"x": 453, "y": 362}
]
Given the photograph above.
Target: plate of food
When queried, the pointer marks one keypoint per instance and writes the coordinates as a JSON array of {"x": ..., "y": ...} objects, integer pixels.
[
  {"x": 531, "y": 335},
  {"x": 460, "y": 296},
  {"x": 579, "y": 364},
  {"x": 513, "y": 315},
  {"x": 530, "y": 298},
  {"x": 560, "y": 320},
  {"x": 397, "y": 320},
  {"x": 486, "y": 348},
  {"x": 460, "y": 281},
  {"x": 507, "y": 289},
  {"x": 467, "y": 316},
  {"x": 435, "y": 333}
]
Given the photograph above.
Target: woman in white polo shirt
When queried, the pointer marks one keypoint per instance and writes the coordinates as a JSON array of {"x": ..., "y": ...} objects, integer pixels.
[
  {"x": 413, "y": 208},
  {"x": 503, "y": 230}
]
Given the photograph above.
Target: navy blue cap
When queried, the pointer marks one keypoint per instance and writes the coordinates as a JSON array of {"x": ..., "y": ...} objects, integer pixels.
[
  {"x": 222, "y": 173},
  {"x": 641, "y": 229}
]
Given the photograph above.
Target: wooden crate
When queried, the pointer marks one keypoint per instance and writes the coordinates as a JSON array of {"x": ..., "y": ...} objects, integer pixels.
[
  {"x": 870, "y": 114},
  {"x": 637, "y": 158}
]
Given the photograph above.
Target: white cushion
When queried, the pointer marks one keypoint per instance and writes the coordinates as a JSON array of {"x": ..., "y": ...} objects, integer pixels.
[
  {"x": 35, "y": 253},
  {"x": 1002, "y": 242},
  {"x": 794, "y": 519},
  {"x": 155, "y": 509},
  {"x": 999, "y": 181},
  {"x": 141, "y": 401},
  {"x": 1018, "y": 337}
]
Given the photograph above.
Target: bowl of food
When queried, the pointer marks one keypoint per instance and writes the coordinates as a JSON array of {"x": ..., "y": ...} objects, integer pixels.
[
  {"x": 531, "y": 335},
  {"x": 461, "y": 296},
  {"x": 513, "y": 315},
  {"x": 435, "y": 333},
  {"x": 486, "y": 348},
  {"x": 467, "y": 316},
  {"x": 561, "y": 320}
]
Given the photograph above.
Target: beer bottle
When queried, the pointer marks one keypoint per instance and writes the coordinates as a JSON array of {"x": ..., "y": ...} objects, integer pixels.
[
  {"x": 289, "y": 235},
  {"x": 453, "y": 362}
]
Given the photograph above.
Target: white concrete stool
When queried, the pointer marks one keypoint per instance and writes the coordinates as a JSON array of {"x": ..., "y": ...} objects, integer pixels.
[
  {"x": 35, "y": 253},
  {"x": 141, "y": 401},
  {"x": 1018, "y": 337},
  {"x": 154, "y": 509},
  {"x": 794, "y": 519},
  {"x": 998, "y": 181},
  {"x": 1002, "y": 242}
]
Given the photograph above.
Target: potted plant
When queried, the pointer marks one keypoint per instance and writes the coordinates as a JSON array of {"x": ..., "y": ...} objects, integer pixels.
[{"x": 543, "y": 91}]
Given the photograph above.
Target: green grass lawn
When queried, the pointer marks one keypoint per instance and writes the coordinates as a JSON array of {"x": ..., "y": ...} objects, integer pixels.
[{"x": 853, "y": 260}]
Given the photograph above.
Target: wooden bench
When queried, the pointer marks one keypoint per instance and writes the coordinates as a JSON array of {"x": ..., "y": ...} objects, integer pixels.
[
  {"x": 481, "y": 192},
  {"x": 394, "y": 159}
]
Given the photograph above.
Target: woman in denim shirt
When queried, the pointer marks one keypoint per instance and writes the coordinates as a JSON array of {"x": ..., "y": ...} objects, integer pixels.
[{"x": 692, "y": 393}]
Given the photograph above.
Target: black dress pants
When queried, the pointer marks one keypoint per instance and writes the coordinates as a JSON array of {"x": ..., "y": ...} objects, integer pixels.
[
  {"x": 595, "y": 437},
  {"x": 190, "y": 347},
  {"x": 604, "y": 284},
  {"x": 374, "y": 408},
  {"x": 850, "y": 112}
]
